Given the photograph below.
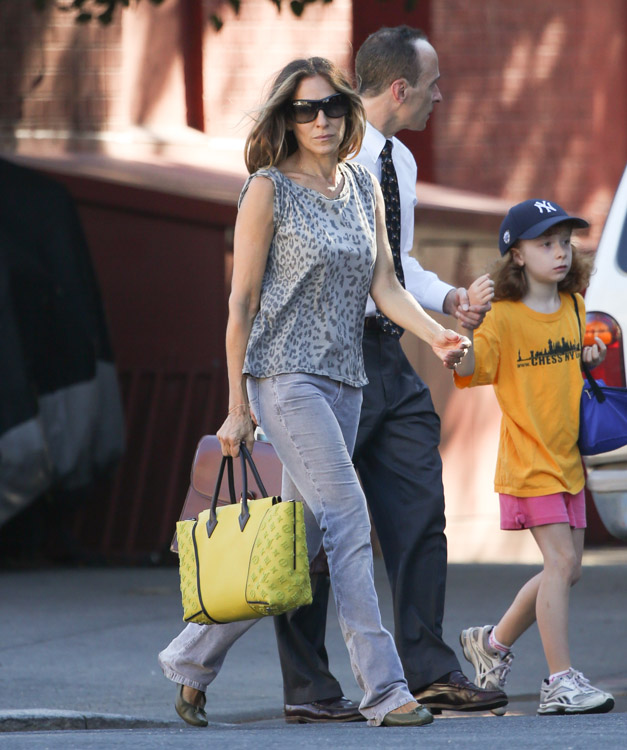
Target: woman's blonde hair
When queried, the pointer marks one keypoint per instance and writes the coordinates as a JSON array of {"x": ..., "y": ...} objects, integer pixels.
[
  {"x": 270, "y": 141},
  {"x": 510, "y": 281}
]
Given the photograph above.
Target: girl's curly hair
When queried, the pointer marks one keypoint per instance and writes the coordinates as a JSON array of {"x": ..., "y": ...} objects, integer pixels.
[{"x": 510, "y": 281}]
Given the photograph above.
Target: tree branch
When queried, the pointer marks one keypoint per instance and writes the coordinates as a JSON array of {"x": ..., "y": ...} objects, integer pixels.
[{"x": 103, "y": 11}]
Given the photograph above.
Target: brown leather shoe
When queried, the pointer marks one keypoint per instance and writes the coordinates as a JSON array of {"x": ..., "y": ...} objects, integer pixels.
[
  {"x": 194, "y": 715},
  {"x": 455, "y": 692},
  {"x": 327, "y": 709}
]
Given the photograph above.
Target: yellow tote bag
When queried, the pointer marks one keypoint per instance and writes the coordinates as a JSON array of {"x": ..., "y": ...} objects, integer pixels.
[{"x": 245, "y": 560}]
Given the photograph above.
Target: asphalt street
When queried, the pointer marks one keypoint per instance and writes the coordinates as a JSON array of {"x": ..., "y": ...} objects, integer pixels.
[
  {"x": 574, "y": 733},
  {"x": 78, "y": 666}
]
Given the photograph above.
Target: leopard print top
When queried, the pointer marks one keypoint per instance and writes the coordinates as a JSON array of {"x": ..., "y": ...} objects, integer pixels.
[{"x": 316, "y": 281}]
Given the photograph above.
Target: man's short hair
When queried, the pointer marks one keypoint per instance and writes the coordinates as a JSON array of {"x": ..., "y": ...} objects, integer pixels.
[{"x": 387, "y": 55}]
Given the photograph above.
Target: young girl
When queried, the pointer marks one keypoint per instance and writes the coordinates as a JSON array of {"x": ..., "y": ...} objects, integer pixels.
[{"x": 529, "y": 348}]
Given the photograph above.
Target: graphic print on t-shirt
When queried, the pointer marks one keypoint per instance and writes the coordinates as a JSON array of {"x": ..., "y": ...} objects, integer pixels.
[{"x": 553, "y": 353}]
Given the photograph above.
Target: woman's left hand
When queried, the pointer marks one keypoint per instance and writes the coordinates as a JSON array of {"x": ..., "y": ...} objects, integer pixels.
[
  {"x": 450, "y": 347},
  {"x": 595, "y": 354}
]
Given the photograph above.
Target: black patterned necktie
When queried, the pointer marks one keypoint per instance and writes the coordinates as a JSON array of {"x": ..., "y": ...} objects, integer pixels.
[{"x": 391, "y": 197}]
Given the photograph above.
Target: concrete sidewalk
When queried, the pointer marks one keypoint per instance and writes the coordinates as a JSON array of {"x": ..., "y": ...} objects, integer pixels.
[{"x": 78, "y": 646}]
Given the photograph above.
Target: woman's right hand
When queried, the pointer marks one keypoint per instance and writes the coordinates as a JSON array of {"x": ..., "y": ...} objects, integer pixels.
[{"x": 237, "y": 428}]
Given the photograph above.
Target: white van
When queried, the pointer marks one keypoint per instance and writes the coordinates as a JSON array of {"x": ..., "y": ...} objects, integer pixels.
[{"x": 606, "y": 316}]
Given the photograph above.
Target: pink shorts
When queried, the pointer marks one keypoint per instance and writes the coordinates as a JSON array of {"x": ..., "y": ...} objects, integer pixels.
[{"x": 526, "y": 512}]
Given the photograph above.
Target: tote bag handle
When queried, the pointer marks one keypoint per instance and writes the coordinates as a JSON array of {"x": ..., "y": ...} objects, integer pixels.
[
  {"x": 227, "y": 461},
  {"x": 594, "y": 386}
]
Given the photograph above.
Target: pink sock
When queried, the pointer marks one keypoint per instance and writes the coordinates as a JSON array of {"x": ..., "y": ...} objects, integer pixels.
[
  {"x": 555, "y": 675},
  {"x": 496, "y": 644}
]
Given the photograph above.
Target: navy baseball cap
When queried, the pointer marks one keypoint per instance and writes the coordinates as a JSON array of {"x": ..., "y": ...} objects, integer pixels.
[{"x": 530, "y": 219}]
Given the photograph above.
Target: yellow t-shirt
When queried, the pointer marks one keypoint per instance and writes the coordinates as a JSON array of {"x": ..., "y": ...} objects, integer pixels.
[{"x": 533, "y": 361}]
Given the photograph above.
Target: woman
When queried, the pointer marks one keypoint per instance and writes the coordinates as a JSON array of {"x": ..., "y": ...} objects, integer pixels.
[{"x": 310, "y": 243}]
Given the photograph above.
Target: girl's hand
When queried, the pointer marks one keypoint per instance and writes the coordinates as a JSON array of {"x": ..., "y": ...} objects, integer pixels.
[
  {"x": 450, "y": 347},
  {"x": 237, "y": 428},
  {"x": 595, "y": 354},
  {"x": 481, "y": 291}
]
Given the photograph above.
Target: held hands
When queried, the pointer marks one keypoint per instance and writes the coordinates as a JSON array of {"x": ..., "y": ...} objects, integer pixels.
[
  {"x": 595, "y": 354},
  {"x": 450, "y": 347},
  {"x": 470, "y": 306},
  {"x": 238, "y": 427},
  {"x": 481, "y": 291}
]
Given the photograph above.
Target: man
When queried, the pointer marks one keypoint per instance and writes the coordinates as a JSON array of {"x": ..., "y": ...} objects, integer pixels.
[{"x": 396, "y": 451}]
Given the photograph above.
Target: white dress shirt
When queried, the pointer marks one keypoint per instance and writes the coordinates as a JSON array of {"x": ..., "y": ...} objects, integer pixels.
[{"x": 425, "y": 286}]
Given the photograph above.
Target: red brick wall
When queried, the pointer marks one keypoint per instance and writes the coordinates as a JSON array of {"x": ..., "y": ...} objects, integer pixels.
[
  {"x": 240, "y": 59},
  {"x": 535, "y": 99},
  {"x": 55, "y": 74},
  {"x": 131, "y": 73}
]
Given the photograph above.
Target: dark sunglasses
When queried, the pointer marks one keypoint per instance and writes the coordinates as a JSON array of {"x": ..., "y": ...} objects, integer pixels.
[{"x": 306, "y": 110}]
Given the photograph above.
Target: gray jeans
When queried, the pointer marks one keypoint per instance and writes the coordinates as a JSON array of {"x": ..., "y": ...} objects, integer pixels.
[{"x": 312, "y": 423}]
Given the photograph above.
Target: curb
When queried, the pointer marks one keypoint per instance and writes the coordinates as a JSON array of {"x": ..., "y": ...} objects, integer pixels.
[
  {"x": 44, "y": 719},
  {"x": 48, "y": 719}
]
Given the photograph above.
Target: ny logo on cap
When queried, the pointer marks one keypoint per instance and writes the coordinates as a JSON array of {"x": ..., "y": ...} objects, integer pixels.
[{"x": 543, "y": 206}]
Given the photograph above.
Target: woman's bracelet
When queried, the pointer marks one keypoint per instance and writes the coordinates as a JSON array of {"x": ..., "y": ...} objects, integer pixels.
[{"x": 237, "y": 406}]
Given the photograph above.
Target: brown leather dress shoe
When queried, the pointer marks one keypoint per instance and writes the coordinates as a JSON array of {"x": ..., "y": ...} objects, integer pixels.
[
  {"x": 194, "y": 715},
  {"x": 455, "y": 692},
  {"x": 327, "y": 709}
]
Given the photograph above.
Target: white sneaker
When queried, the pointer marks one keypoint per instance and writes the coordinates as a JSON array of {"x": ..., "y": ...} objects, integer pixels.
[
  {"x": 572, "y": 693},
  {"x": 491, "y": 665}
]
